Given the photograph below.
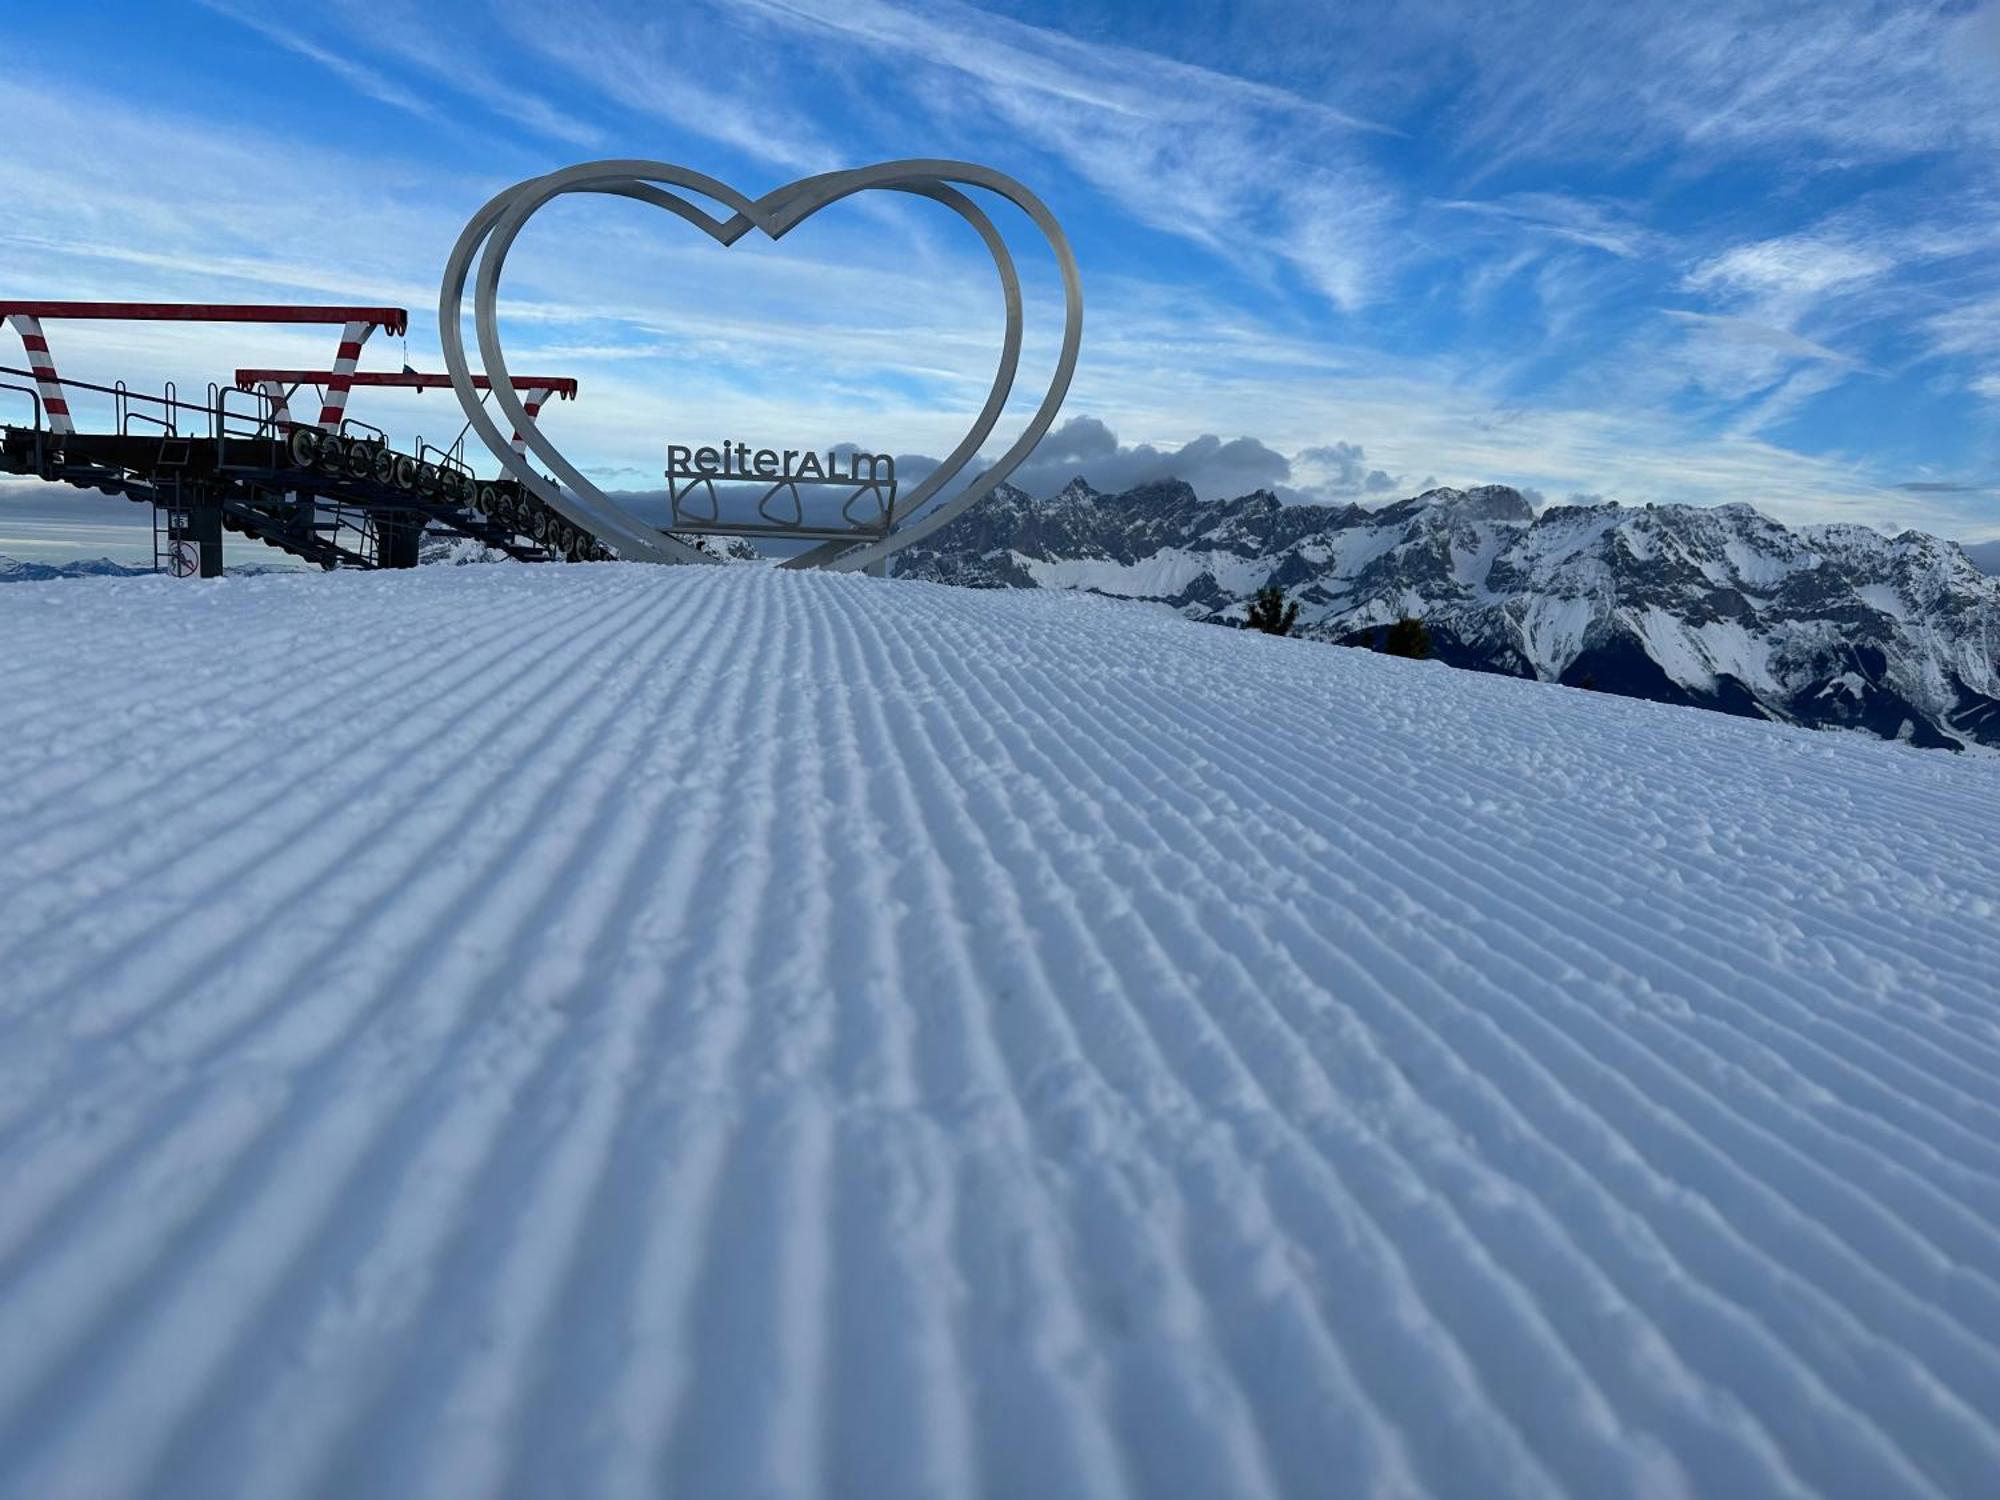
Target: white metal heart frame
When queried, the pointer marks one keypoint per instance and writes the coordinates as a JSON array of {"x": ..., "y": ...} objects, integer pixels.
[{"x": 499, "y": 222}]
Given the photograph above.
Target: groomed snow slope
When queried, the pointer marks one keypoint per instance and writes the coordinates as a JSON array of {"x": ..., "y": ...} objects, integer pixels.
[{"x": 621, "y": 1031}]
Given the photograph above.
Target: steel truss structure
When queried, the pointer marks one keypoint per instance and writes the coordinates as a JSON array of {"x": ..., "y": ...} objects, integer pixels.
[{"x": 332, "y": 492}]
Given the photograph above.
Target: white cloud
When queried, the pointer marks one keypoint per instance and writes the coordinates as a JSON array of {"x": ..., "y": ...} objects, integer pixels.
[
  {"x": 1971, "y": 328},
  {"x": 1255, "y": 174},
  {"x": 652, "y": 67},
  {"x": 1084, "y": 447},
  {"x": 1845, "y": 83},
  {"x": 406, "y": 32},
  {"x": 1052, "y": 64},
  {"x": 396, "y": 29},
  {"x": 1596, "y": 225},
  {"x": 1748, "y": 333},
  {"x": 1341, "y": 469},
  {"x": 358, "y": 76},
  {"x": 1797, "y": 264}
]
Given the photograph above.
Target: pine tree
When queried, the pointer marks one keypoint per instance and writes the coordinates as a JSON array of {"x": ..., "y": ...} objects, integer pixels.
[
  {"x": 1269, "y": 612},
  {"x": 1407, "y": 637}
]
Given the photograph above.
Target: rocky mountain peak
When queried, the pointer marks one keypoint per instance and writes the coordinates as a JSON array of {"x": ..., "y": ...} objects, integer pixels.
[
  {"x": 1720, "y": 607},
  {"x": 1486, "y": 502}
]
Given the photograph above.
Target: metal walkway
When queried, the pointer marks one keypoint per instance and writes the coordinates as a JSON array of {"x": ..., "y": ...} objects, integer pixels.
[
  {"x": 332, "y": 492},
  {"x": 337, "y": 499}
]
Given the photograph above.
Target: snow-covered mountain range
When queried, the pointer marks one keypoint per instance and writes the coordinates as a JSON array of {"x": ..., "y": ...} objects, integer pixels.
[
  {"x": 18, "y": 570},
  {"x": 1829, "y": 626}
]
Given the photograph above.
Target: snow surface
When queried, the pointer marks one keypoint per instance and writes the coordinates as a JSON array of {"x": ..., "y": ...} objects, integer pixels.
[
  {"x": 1883, "y": 599},
  {"x": 1167, "y": 572},
  {"x": 712, "y": 1032}
]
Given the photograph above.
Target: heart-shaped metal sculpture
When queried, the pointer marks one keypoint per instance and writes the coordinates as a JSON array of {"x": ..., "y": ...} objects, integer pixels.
[{"x": 499, "y": 222}]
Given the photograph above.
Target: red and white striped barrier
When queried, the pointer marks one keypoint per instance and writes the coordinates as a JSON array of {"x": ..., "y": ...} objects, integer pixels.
[
  {"x": 280, "y": 398},
  {"x": 533, "y": 397},
  {"x": 48, "y": 385},
  {"x": 356, "y": 323},
  {"x": 341, "y": 380}
]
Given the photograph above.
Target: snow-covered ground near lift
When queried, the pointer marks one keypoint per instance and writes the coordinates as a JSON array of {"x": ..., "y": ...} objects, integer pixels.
[{"x": 623, "y": 1031}]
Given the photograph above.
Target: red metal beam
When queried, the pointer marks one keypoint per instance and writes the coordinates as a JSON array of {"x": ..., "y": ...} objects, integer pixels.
[
  {"x": 394, "y": 320},
  {"x": 559, "y": 385}
]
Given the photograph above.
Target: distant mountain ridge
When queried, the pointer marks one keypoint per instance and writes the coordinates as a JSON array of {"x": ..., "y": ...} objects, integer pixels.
[
  {"x": 15, "y": 570},
  {"x": 1829, "y": 626}
]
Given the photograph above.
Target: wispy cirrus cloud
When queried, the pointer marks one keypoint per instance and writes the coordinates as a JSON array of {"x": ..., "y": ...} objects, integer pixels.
[
  {"x": 1791, "y": 265},
  {"x": 650, "y": 64},
  {"x": 1748, "y": 334},
  {"x": 1828, "y": 85},
  {"x": 1257, "y": 174},
  {"x": 407, "y": 34},
  {"x": 1597, "y": 225},
  {"x": 454, "y": 57},
  {"x": 1972, "y": 328},
  {"x": 358, "y": 76}
]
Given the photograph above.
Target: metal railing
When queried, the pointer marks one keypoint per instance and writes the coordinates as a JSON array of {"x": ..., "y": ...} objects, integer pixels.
[
  {"x": 254, "y": 448},
  {"x": 160, "y": 413},
  {"x": 34, "y": 397}
]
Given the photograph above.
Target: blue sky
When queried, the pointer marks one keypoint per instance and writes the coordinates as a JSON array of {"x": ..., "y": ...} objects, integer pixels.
[{"x": 1649, "y": 252}]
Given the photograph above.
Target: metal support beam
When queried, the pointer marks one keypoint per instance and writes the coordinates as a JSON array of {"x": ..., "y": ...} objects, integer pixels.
[
  {"x": 204, "y": 528},
  {"x": 277, "y": 386},
  {"x": 397, "y": 539}
]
